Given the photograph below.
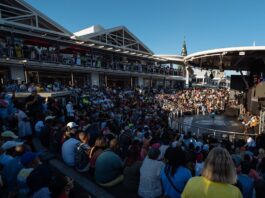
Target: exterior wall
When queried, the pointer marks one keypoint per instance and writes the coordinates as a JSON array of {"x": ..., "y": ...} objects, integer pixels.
[
  {"x": 260, "y": 91},
  {"x": 17, "y": 73},
  {"x": 201, "y": 78},
  {"x": 199, "y": 73},
  {"x": 140, "y": 82},
  {"x": 94, "y": 79}
]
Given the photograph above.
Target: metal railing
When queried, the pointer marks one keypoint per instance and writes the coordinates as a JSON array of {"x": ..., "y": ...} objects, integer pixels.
[
  {"x": 184, "y": 127},
  {"x": 90, "y": 63}
]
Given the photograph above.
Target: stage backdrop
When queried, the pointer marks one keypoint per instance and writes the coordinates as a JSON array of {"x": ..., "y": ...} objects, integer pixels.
[{"x": 237, "y": 82}]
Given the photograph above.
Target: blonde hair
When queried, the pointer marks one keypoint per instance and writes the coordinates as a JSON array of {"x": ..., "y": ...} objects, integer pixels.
[{"x": 219, "y": 167}]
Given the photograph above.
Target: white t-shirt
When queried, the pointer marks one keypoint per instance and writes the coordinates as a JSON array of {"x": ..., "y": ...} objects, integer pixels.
[
  {"x": 162, "y": 149},
  {"x": 68, "y": 151}
]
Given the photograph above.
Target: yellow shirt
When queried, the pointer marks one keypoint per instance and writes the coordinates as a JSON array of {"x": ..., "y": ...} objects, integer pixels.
[{"x": 203, "y": 188}]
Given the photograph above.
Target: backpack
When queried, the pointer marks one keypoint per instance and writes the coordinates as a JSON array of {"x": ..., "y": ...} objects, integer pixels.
[{"x": 81, "y": 157}]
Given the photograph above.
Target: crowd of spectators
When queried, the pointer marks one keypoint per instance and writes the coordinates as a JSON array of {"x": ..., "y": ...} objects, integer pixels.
[
  {"x": 62, "y": 55},
  {"x": 121, "y": 137},
  {"x": 14, "y": 86},
  {"x": 195, "y": 101}
]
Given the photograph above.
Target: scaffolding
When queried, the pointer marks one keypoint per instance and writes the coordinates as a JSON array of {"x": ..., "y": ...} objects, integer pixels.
[{"x": 262, "y": 121}]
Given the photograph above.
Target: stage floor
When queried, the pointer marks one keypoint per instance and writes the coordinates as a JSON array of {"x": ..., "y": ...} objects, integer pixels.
[{"x": 220, "y": 122}]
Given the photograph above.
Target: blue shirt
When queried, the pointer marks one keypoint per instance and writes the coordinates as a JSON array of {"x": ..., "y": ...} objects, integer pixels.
[
  {"x": 247, "y": 185},
  {"x": 180, "y": 178},
  {"x": 5, "y": 112},
  {"x": 5, "y": 159},
  {"x": 10, "y": 173},
  {"x": 22, "y": 180}
]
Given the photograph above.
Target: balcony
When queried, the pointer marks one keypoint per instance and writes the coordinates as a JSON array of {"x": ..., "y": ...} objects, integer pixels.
[{"x": 37, "y": 57}]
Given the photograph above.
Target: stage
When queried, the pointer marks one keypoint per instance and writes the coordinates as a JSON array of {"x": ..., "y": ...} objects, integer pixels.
[{"x": 220, "y": 122}]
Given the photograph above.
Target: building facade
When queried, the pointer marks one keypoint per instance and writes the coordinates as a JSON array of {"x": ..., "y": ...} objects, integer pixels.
[
  {"x": 205, "y": 77},
  {"x": 35, "y": 49}
]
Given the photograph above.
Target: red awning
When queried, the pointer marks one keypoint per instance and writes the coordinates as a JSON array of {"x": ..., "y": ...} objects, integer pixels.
[
  {"x": 75, "y": 49},
  {"x": 38, "y": 42}
]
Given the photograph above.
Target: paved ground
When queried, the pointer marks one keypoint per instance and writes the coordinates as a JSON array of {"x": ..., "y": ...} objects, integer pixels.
[{"x": 220, "y": 122}]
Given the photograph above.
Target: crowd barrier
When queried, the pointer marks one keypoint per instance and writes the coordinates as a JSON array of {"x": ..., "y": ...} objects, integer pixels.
[{"x": 185, "y": 127}]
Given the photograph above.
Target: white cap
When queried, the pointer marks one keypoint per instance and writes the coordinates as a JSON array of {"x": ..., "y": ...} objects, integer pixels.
[
  {"x": 72, "y": 125},
  {"x": 49, "y": 118},
  {"x": 10, "y": 144}
]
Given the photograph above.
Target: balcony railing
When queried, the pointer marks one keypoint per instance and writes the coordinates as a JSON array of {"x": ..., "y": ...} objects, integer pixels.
[{"x": 54, "y": 56}]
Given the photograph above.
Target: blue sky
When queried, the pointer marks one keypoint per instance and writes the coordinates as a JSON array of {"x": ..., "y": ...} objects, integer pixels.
[{"x": 162, "y": 24}]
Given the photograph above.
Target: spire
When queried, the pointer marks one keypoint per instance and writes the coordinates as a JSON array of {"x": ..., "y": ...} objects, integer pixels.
[{"x": 184, "y": 48}]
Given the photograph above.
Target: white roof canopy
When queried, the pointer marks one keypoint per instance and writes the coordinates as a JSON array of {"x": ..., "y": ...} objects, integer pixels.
[
  {"x": 18, "y": 13},
  {"x": 234, "y": 58},
  {"x": 118, "y": 37}
]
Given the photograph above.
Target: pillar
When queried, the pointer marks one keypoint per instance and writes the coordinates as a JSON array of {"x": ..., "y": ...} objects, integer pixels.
[
  {"x": 72, "y": 79},
  {"x": 38, "y": 77},
  {"x": 106, "y": 81},
  {"x": 131, "y": 82},
  {"x": 187, "y": 78},
  {"x": 26, "y": 76}
]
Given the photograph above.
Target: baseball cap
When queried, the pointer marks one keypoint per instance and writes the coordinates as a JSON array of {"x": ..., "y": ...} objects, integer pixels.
[
  {"x": 10, "y": 144},
  {"x": 28, "y": 157},
  {"x": 49, "y": 118},
  {"x": 9, "y": 134},
  {"x": 72, "y": 125}
]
